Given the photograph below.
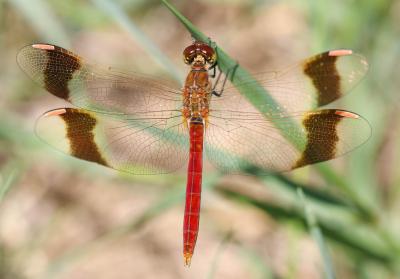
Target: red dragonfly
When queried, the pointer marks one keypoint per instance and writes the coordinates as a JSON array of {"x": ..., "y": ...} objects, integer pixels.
[{"x": 143, "y": 125}]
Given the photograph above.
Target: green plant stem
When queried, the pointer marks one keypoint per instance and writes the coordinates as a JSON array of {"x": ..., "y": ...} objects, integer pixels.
[
  {"x": 316, "y": 233},
  {"x": 264, "y": 102}
]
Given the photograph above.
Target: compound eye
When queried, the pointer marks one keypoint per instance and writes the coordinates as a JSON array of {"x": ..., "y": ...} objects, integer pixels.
[
  {"x": 212, "y": 58},
  {"x": 208, "y": 53},
  {"x": 188, "y": 59},
  {"x": 189, "y": 53},
  {"x": 199, "y": 48}
]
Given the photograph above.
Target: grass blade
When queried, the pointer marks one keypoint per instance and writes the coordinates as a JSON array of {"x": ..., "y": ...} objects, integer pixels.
[
  {"x": 265, "y": 103},
  {"x": 7, "y": 184},
  {"x": 66, "y": 261},
  {"x": 254, "y": 92},
  {"x": 257, "y": 264},
  {"x": 217, "y": 256},
  {"x": 364, "y": 241},
  {"x": 122, "y": 19},
  {"x": 316, "y": 233},
  {"x": 43, "y": 20}
]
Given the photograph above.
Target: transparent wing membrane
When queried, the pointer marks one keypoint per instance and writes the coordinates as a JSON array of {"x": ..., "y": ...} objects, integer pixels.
[
  {"x": 134, "y": 123},
  {"x": 301, "y": 139},
  {"x": 307, "y": 85},
  {"x": 138, "y": 146},
  {"x": 94, "y": 87}
]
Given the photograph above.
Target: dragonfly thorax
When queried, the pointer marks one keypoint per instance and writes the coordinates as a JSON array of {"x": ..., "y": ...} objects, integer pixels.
[{"x": 196, "y": 94}]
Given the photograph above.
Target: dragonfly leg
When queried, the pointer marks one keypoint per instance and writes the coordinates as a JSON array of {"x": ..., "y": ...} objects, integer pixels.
[
  {"x": 214, "y": 71},
  {"x": 231, "y": 71}
]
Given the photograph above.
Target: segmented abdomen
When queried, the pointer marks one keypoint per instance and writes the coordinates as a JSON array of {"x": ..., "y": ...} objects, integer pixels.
[{"x": 193, "y": 190}]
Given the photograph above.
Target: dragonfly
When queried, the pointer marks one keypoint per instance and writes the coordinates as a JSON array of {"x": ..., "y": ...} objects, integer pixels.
[{"x": 142, "y": 124}]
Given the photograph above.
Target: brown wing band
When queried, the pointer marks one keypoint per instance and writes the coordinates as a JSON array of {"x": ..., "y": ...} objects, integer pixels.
[
  {"x": 80, "y": 126},
  {"x": 322, "y": 137},
  {"x": 61, "y": 65},
  {"x": 327, "y": 85}
]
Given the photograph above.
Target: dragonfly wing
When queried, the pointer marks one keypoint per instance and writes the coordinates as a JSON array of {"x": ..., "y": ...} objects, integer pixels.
[
  {"x": 311, "y": 83},
  {"x": 138, "y": 125},
  {"x": 69, "y": 77},
  {"x": 138, "y": 146},
  {"x": 241, "y": 140}
]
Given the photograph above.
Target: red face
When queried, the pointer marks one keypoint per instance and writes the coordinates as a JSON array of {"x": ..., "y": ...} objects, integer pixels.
[{"x": 199, "y": 48}]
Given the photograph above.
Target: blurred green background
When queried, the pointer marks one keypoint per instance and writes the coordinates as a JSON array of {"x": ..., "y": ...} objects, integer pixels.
[{"x": 65, "y": 218}]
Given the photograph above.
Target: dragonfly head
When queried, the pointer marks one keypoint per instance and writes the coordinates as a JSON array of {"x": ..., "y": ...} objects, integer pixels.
[{"x": 199, "y": 54}]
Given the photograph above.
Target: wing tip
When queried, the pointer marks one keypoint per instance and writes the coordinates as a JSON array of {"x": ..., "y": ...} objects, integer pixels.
[
  {"x": 347, "y": 114},
  {"x": 43, "y": 46},
  {"x": 340, "y": 52},
  {"x": 349, "y": 52},
  {"x": 55, "y": 112}
]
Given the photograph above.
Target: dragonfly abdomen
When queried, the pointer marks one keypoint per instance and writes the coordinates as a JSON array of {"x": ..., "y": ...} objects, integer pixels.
[{"x": 193, "y": 189}]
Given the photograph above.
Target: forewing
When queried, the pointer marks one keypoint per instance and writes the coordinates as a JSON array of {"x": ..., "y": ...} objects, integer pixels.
[
  {"x": 239, "y": 140},
  {"x": 69, "y": 77},
  {"x": 311, "y": 83},
  {"x": 138, "y": 146}
]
